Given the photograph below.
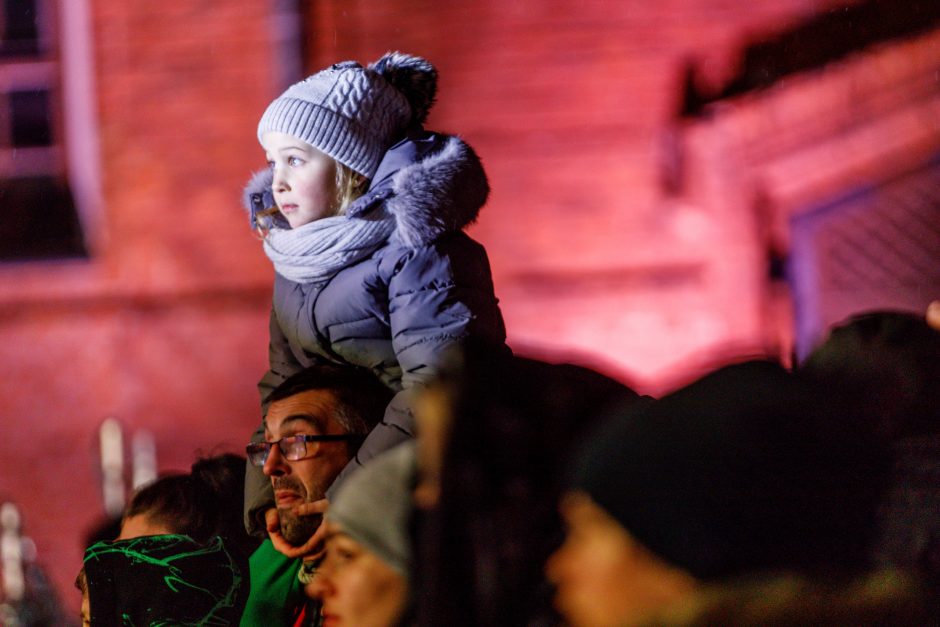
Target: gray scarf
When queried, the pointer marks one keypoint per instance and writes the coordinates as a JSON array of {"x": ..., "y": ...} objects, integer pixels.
[{"x": 316, "y": 251}]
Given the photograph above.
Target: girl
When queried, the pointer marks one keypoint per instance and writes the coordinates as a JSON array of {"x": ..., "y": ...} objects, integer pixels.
[{"x": 362, "y": 214}]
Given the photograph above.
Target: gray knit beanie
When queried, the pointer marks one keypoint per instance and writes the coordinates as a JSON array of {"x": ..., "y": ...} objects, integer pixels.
[
  {"x": 354, "y": 114},
  {"x": 373, "y": 506}
]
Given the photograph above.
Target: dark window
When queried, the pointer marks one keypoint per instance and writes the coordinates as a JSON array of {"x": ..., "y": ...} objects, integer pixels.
[
  {"x": 874, "y": 248},
  {"x": 38, "y": 218},
  {"x": 31, "y": 118},
  {"x": 38, "y": 221},
  {"x": 21, "y": 29}
]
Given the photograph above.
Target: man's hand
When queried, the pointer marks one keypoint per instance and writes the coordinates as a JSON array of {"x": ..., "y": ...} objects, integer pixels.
[{"x": 313, "y": 547}]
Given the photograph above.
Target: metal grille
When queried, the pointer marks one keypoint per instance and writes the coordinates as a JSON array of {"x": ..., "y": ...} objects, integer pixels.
[{"x": 876, "y": 248}]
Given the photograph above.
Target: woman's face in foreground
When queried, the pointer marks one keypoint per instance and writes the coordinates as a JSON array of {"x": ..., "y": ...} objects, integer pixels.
[
  {"x": 603, "y": 576},
  {"x": 356, "y": 588}
]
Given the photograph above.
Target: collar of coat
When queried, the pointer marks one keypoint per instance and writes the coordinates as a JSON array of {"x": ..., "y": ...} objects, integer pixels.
[{"x": 430, "y": 183}]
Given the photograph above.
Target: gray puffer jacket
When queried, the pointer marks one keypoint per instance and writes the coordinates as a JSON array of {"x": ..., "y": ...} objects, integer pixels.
[{"x": 428, "y": 287}]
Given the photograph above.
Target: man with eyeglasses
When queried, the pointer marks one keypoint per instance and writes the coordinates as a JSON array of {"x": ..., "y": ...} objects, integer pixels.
[{"x": 314, "y": 425}]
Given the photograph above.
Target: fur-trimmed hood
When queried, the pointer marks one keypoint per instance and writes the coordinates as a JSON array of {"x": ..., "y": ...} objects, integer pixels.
[{"x": 432, "y": 184}]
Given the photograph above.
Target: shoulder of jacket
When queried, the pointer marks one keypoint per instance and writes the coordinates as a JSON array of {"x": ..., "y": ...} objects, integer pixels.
[
  {"x": 440, "y": 194},
  {"x": 449, "y": 250}
]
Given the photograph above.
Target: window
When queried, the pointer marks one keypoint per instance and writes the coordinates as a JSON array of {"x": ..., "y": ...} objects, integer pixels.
[
  {"x": 873, "y": 248},
  {"x": 38, "y": 216}
]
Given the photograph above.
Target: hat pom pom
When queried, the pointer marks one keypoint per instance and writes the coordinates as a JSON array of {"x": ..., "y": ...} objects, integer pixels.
[{"x": 414, "y": 77}]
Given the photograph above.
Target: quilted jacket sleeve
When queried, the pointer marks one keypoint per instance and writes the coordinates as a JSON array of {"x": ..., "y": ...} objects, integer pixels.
[{"x": 439, "y": 295}]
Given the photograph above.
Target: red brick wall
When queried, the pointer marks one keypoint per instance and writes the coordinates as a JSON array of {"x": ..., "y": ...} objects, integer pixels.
[
  {"x": 179, "y": 90},
  {"x": 165, "y": 326}
]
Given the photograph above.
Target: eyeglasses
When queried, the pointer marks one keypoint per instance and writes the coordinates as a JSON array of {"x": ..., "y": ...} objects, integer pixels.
[{"x": 293, "y": 448}]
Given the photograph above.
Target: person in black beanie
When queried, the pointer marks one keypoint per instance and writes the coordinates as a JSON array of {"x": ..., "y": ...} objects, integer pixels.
[
  {"x": 884, "y": 367},
  {"x": 488, "y": 486},
  {"x": 746, "y": 471}
]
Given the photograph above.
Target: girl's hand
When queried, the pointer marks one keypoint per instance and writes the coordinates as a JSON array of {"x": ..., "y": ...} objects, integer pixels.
[{"x": 313, "y": 548}]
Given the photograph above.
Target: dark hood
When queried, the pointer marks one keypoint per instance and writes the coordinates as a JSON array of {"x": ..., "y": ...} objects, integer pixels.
[{"x": 165, "y": 580}]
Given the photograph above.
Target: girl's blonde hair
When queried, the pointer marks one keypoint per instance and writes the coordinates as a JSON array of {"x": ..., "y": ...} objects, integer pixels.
[{"x": 349, "y": 186}]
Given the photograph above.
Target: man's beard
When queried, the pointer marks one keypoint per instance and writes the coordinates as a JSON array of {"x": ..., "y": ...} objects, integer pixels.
[{"x": 298, "y": 529}]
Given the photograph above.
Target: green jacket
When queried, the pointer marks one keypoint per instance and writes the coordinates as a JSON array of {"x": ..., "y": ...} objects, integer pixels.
[{"x": 277, "y": 596}]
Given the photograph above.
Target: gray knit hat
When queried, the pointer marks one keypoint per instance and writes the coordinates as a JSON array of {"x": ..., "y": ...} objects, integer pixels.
[
  {"x": 354, "y": 114},
  {"x": 373, "y": 506}
]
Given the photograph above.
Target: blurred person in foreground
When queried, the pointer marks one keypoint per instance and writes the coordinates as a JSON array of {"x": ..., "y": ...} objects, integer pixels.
[
  {"x": 493, "y": 434},
  {"x": 746, "y": 471},
  {"x": 883, "y": 598},
  {"x": 883, "y": 367}
]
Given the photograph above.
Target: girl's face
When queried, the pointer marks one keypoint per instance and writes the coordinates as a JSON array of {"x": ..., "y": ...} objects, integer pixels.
[
  {"x": 357, "y": 588},
  {"x": 304, "y": 182}
]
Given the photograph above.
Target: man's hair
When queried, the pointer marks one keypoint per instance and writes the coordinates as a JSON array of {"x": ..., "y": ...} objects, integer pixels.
[
  {"x": 361, "y": 396},
  {"x": 205, "y": 502}
]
